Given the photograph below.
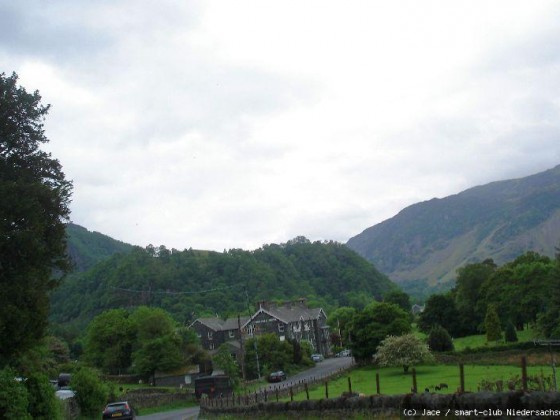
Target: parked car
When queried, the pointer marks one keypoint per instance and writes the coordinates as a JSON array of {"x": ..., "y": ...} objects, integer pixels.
[
  {"x": 121, "y": 410},
  {"x": 277, "y": 376},
  {"x": 317, "y": 357},
  {"x": 344, "y": 353}
]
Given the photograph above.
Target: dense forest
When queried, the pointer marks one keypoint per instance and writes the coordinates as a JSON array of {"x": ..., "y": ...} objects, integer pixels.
[{"x": 190, "y": 283}]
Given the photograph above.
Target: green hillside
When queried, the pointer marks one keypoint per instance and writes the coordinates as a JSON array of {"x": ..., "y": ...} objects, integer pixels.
[
  {"x": 193, "y": 283},
  {"x": 87, "y": 248},
  {"x": 425, "y": 243}
]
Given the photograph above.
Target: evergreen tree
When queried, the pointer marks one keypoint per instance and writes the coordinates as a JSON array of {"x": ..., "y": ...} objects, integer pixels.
[
  {"x": 33, "y": 210},
  {"x": 492, "y": 324},
  {"x": 510, "y": 333}
]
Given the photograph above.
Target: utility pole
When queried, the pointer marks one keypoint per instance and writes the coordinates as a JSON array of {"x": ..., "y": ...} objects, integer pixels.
[
  {"x": 254, "y": 336},
  {"x": 241, "y": 347}
]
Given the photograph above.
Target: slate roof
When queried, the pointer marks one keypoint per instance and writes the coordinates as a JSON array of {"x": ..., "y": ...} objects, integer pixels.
[
  {"x": 218, "y": 324},
  {"x": 294, "y": 313}
]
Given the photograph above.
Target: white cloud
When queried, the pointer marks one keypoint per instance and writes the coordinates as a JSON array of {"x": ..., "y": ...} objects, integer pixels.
[{"x": 232, "y": 124}]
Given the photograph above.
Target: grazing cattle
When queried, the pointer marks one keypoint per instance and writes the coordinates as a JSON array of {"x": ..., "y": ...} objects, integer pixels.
[{"x": 442, "y": 386}]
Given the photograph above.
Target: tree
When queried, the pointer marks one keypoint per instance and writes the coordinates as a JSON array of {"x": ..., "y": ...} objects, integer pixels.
[
  {"x": 43, "y": 404},
  {"x": 224, "y": 360},
  {"x": 33, "y": 211},
  {"x": 440, "y": 310},
  {"x": 109, "y": 340},
  {"x": 510, "y": 334},
  {"x": 467, "y": 294},
  {"x": 400, "y": 298},
  {"x": 13, "y": 397},
  {"x": 158, "y": 345},
  {"x": 273, "y": 355},
  {"x": 91, "y": 392},
  {"x": 371, "y": 325},
  {"x": 492, "y": 324},
  {"x": 406, "y": 350},
  {"x": 340, "y": 321},
  {"x": 439, "y": 339}
]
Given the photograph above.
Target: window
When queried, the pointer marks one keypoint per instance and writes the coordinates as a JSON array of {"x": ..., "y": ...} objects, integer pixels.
[
  {"x": 210, "y": 335},
  {"x": 211, "y": 346},
  {"x": 231, "y": 334},
  {"x": 280, "y": 327}
]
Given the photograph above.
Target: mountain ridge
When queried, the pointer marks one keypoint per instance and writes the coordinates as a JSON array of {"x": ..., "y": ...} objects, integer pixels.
[{"x": 427, "y": 241}]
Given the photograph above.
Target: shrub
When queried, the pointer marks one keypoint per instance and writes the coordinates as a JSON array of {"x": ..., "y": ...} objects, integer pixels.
[
  {"x": 91, "y": 392},
  {"x": 43, "y": 404},
  {"x": 510, "y": 333},
  {"x": 439, "y": 339},
  {"x": 13, "y": 397}
]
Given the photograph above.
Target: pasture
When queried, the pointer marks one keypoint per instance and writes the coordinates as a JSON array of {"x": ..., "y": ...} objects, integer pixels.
[{"x": 395, "y": 381}]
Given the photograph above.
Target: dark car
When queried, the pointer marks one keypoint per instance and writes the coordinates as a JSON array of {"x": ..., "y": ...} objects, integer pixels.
[
  {"x": 277, "y": 376},
  {"x": 119, "y": 410}
]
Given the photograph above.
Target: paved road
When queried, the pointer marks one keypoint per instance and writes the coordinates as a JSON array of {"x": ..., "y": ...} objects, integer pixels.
[
  {"x": 183, "y": 414},
  {"x": 325, "y": 368}
]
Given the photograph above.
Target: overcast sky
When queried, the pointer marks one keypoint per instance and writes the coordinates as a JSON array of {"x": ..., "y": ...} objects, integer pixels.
[{"x": 232, "y": 124}]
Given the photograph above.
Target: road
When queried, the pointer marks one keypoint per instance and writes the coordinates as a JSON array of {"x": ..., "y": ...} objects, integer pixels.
[
  {"x": 182, "y": 414},
  {"x": 325, "y": 368}
]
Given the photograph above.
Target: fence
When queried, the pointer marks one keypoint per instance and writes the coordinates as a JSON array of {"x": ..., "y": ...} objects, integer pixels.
[{"x": 268, "y": 398}]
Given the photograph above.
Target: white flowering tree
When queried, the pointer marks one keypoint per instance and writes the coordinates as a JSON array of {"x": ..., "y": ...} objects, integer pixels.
[{"x": 405, "y": 350}]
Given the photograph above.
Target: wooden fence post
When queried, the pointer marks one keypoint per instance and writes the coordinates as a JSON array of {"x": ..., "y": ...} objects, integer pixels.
[
  {"x": 327, "y": 390},
  {"x": 276, "y": 394},
  {"x": 461, "y": 378},
  {"x": 291, "y": 394},
  {"x": 349, "y": 385},
  {"x": 377, "y": 385},
  {"x": 414, "y": 386},
  {"x": 306, "y": 390},
  {"x": 524, "y": 373}
]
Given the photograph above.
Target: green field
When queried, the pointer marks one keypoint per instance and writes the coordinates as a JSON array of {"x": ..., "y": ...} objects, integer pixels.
[
  {"x": 395, "y": 381},
  {"x": 477, "y": 341}
]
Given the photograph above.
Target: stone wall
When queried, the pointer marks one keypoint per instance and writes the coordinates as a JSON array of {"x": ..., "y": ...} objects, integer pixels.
[
  {"x": 146, "y": 397},
  {"x": 481, "y": 404}
]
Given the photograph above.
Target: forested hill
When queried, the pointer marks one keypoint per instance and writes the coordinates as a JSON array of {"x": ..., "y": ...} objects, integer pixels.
[
  {"x": 87, "y": 248},
  {"x": 191, "y": 283},
  {"x": 428, "y": 241}
]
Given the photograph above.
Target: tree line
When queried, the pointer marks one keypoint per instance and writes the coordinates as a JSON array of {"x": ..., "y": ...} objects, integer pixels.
[{"x": 525, "y": 291}]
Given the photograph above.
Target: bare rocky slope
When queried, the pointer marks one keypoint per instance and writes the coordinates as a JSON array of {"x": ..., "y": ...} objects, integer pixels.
[{"x": 424, "y": 244}]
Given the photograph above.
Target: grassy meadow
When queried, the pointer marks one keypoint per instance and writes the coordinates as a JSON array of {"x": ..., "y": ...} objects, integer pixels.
[{"x": 395, "y": 381}]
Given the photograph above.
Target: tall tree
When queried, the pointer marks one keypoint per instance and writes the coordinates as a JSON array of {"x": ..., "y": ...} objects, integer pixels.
[
  {"x": 158, "y": 342},
  {"x": 109, "y": 340},
  {"x": 373, "y": 324},
  {"x": 467, "y": 293},
  {"x": 492, "y": 324},
  {"x": 440, "y": 310},
  {"x": 33, "y": 211}
]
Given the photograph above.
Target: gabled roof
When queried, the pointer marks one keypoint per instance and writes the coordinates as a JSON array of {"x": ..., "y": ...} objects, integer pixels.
[
  {"x": 287, "y": 314},
  {"x": 218, "y": 324}
]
